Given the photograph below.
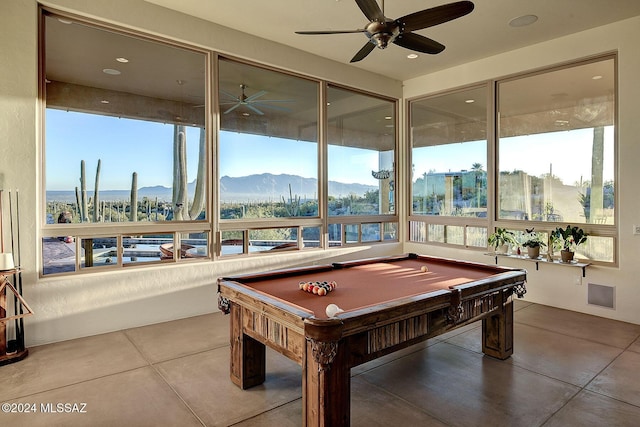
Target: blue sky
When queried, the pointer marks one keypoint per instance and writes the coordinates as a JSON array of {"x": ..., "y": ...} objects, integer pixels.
[
  {"x": 126, "y": 146},
  {"x": 123, "y": 146},
  {"x": 567, "y": 152}
]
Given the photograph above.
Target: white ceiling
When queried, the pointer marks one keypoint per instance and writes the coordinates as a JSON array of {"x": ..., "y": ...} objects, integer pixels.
[{"x": 484, "y": 32}]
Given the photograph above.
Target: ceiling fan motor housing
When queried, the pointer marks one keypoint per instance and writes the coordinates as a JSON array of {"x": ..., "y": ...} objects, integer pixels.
[{"x": 382, "y": 33}]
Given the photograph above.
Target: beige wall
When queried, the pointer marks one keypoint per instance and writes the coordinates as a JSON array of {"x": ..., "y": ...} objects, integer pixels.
[
  {"x": 95, "y": 303},
  {"x": 89, "y": 304},
  {"x": 558, "y": 285}
]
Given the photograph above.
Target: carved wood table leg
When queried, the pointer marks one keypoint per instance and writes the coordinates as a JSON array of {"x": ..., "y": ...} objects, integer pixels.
[
  {"x": 497, "y": 331},
  {"x": 248, "y": 356}
]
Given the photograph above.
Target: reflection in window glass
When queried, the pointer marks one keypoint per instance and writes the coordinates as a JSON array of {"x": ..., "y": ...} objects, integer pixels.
[
  {"x": 371, "y": 232},
  {"x": 556, "y": 146},
  {"x": 123, "y": 143},
  {"x": 597, "y": 248},
  {"x": 390, "y": 231},
  {"x": 268, "y": 151},
  {"x": 417, "y": 232},
  {"x": 436, "y": 233},
  {"x": 449, "y": 154},
  {"x": 361, "y": 154},
  {"x": 351, "y": 232},
  {"x": 477, "y": 237}
]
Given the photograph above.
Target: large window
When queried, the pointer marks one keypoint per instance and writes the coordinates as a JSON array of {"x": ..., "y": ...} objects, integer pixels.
[
  {"x": 449, "y": 168},
  {"x": 125, "y": 149},
  {"x": 556, "y": 145},
  {"x": 268, "y": 149},
  {"x": 361, "y": 169},
  {"x": 556, "y": 152},
  {"x": 268, "y": 160},
  {"x": 550, "y": 164}
]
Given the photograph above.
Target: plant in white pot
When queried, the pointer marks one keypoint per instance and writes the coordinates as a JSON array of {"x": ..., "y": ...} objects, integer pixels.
[
  {"x": 501, "y": 239},
  {"x": 568, "y": 239},
  {"x": 533, "y": 244}
]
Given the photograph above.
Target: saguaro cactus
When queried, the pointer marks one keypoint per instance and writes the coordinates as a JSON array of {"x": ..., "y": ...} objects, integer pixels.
[
  {"x": 198, "y": 197},
  {"x": 96, "y": 200},
  {"x": 84, "y": 209},
  {"x": 133, "y": 212},
  {"x": 180, "y": 210}
]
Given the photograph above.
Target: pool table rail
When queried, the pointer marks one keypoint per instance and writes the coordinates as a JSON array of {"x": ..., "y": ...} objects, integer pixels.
[{"x": 327, "y": 348}]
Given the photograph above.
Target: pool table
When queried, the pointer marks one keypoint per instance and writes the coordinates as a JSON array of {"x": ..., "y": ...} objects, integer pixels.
[{"x": 388, "y": 303}]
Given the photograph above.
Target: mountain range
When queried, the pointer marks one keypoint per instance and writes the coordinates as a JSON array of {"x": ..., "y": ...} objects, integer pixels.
[{"x": 257, "y": 187}]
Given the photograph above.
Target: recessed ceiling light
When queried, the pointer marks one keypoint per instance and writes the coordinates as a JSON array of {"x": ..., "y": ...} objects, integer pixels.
[
  {"x": 111, "y": 72},
  {"x": 412, "y": 56},
  {"x": 596, "y": 77},
  {"x": 470, "y": 101},
  {"x": 246, "y": 114},
  {"x": 388, "y": 117},
  {"x": 123, "y": 60},
  {"x": 104, "y": 101},
  {"x": 523, "y": 21}
]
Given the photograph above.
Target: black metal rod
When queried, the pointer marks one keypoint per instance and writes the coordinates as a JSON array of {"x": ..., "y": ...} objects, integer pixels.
[{"x": 20, "y": 329}]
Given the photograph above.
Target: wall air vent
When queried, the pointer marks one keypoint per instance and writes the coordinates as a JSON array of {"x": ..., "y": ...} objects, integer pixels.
[{"x": 601, "y": 295}]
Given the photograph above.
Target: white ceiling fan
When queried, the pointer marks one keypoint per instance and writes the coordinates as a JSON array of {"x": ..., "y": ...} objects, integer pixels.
[{"x": 253, "y": 102}]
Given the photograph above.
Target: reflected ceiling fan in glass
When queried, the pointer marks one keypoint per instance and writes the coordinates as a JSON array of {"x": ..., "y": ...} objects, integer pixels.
[{"x": 253, "y": 102}]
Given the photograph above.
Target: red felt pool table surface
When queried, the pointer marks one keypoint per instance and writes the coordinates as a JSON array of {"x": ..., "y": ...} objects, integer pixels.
[
  {"x": 371, "y": 284},
  {"x": 389, "y": 303}
]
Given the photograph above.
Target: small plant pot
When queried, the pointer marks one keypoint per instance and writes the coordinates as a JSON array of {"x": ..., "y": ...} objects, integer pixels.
[
  {"x": 533, "y": 252},
  {"x": 503, "y": 249},
  {"x": 566, "y": 256}
]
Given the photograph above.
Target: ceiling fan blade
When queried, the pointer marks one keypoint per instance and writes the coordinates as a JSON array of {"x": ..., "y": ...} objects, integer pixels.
[
  {"x": 254, "y": 109},
  {"x": 330, "y": 32},
  {"x": 263, "y": 101},
  {"x": 434, "y": 16},
  {"x": 273, "y": 107},
  {"x": 371, "y": 10},
  {"x": 230, "y": 95},
  {"x": 255, "y": 95},
  {"x": 362, "y": 53},
  {"x": 232, "y": 108},
  {"x": 418, "y": 43}
]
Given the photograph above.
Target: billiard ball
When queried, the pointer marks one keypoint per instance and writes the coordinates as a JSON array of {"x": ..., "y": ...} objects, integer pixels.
[
  {"x": 332, "y": 310},
  {"x": 424, "y": 269}
]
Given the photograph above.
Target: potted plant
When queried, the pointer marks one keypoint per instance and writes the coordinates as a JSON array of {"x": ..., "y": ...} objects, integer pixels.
[
  {"x": 533, "y": 244},
  {"x": 501, "y": 239},
  {"x": 568, "y": 239}
]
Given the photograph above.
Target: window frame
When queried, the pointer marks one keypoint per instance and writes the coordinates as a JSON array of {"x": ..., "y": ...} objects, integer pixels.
[
  {"x": 212, "y": 225},
  {"x": 493, "y": 222}
]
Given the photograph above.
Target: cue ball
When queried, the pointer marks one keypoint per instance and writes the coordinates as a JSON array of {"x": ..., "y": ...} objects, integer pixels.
[
  {"x": 424, "y": 269},
  {"x": 332, "y": 310}
]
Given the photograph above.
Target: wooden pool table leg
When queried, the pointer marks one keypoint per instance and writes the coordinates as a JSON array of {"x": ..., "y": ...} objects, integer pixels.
[
  {"x": 326, "y": 384},
  {"x": 248, "y": 356},
  {"x": 497, "y": 332}
]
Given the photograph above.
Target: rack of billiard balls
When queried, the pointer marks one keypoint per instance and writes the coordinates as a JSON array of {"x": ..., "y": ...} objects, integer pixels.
[{"x": 318, "y": 288}]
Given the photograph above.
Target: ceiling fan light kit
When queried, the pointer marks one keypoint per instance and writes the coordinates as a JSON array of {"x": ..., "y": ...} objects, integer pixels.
[{"x": 381, "y": 30}]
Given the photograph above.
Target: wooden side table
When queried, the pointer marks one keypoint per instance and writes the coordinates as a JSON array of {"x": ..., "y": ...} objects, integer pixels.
[{"x": 20, "y": 352}]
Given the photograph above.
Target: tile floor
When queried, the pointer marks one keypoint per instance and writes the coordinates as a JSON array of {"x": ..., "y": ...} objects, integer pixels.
[{"x": 569, "y": 369}]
